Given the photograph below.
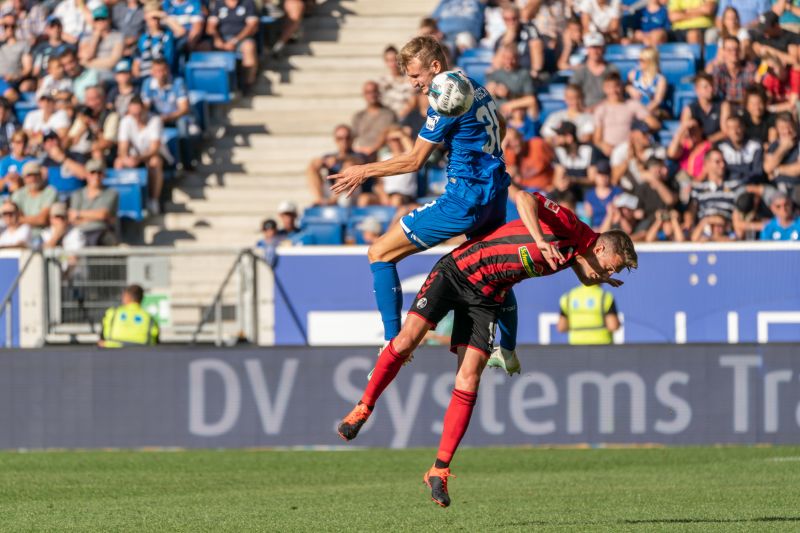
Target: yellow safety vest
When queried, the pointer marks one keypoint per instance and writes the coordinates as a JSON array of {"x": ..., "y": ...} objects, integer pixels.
[
  {"x": 129, "y": 325},
  {"x": 585, "y": 309}
]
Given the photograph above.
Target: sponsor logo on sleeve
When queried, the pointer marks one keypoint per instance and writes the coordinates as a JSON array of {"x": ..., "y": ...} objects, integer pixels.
[
  {"x": 431, "y": 122},
  {"x": 531, "y": 268}
]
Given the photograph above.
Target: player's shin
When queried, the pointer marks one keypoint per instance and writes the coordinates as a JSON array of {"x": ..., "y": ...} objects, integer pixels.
[
  {"x": 388, "y": 295},
  {"x": 456, "y": 421},
  {"x": 385, "y": 371}
]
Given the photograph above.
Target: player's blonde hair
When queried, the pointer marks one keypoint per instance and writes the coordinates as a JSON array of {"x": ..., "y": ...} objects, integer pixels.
[
  {"x": 619, "y": 242},
  {"x": 426, "y": 49}
]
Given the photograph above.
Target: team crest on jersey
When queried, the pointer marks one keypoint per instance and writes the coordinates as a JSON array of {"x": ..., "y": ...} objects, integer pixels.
[
  {"x": 552, "y": 206},
  {"x": 533, "y": 270},
  {"x": 422, "y": 303},
  {"x": 480, "y": 93},
  {"x": 431, "y": 122}
]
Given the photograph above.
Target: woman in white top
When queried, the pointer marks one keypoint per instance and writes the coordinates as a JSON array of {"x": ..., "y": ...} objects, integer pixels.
[{"x": 140, "y": 146}]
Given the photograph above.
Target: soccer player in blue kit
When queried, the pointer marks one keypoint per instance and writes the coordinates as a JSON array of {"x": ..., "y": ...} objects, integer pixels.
[{"x": 474, "y": 200}]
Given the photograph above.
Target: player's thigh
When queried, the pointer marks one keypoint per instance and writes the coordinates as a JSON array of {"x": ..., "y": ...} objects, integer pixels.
[
  {"x": 474, "y": 328},
  {"x": 436, "y": 296},
  {"x": 415, "y": 327},
  {"x": 391, "y": 246},
  {"x": 438, "y": 221}
]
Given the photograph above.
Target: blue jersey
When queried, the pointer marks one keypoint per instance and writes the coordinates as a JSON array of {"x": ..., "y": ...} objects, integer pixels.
[
  {"x": 186, "y": 12},
  {"x": 477, "y": 170}
]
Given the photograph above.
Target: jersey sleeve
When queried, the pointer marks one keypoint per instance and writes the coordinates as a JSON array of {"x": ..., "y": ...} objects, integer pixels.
[
  {"x": 436, "y": 127},
  {"x": 562, "y": 220}
]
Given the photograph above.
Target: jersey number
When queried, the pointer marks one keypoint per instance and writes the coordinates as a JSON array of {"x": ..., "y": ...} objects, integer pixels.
[{"x": 487, "y": 114}]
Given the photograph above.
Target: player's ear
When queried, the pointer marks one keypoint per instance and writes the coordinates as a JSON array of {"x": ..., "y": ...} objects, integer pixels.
[{"x": 436, "y": 66}]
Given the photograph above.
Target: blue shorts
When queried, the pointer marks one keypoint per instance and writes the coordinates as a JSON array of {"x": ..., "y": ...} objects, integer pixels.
[{"x": 450, "y": 216}]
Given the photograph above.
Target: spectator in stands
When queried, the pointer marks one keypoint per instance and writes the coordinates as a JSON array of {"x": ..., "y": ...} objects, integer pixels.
[
  {"x": 101, "y": 49},
  {"x": 287, "y": 213},
  {"x": 169, "y": 99},
  {"x": 16, "y": 63},
  {"x": 370, "y": 229},
  {"x": 55, "y": 81},
  {"x": 370, "y": 123},
  {"x": 75, "y": 16},
  {"x": 8, "y": 125},
  {"x": 653, "y": 24},
  {"x": 770, "y": 39},
  {"x": 11, "y": 165},
  {"x": 588, "y": 315},
  {"x": 330, "y": 163},
  {"x": 294, "y": 11},
  {"x": 733, "y": 74},
  {"x": 158, "y": 40},
  {"x": 81, "y": 77},
  {"x": 189, "y": 14},
  {"x": 691, "y": 18},
  {"x": 127, "y": 16},
  {"x": 707, "y": 110},
  {"x": 575, "y": 113},
  {"x": 629, "y": 159},
  {"x": 44, "y": 120},
  {"x": 396, "y": 93},
  {"x": 429, "y": 27},
  {"x": 666, "y": 226},
  {"x": 49, "y": 48},
  {"x": 571, "y": 41},
  {"x": 129, "y": 324},
  {"x": 529, "y": 163},
  {"x": 781, "y": 84},
  {"x": 233, "y": 25},
  {"x": 30, "y": 18},
  {"x": 140, "y": 146},
  {"x": 785, "y": 226},
  {"x": 573, "y": 158},
  {"x": 601, "y": 16},
  {"x": 124, "y": 89},
  {"x": 413, "y": 122},
  {"x": 94, "y": 132},
  {"x": 400, "y": 189},
  {"x": 598, "y": 198},
  {"x": 657, "y": 193},
  {"x": 457, "y": 16},
  {"x": 623, "y": 213},
  {"x": 549, "y": 17},
  {"x": 70, "y": 164},
  {"x": 60, "y": 233},
  {"x": 35, "y": 198},
  {"x": 759, "y": 124},
  {"x": 589, "y": 76},
  {"x": 781, "y": 162},
  {"x": 646, "y": 83},
  {"x": 747, "y": 11},
  {"x": 510, "y": 85},
  {"x": 730, "y": 25},
  {"x": 714, "y": 197},
  {"x": 93, "y": 209},
  {"x": 744, "y": 158},
  {"x": 269, "y": 242},
  {"x": 16, "y": 234},
  {"x": 523, "y": 37},
  {"x": 689, "y": 147},
  {"x": 614, "y": 116}
]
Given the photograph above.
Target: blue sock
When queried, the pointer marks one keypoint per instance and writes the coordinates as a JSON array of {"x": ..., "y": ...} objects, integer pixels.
[
  {"x": 389, "y": 295},
  {"x": 507, "y": 322}
]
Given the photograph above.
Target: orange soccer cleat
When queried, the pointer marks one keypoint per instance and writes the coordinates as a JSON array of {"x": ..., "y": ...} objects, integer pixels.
[
  {"x": 436, "y": 480},
  {"x": 351, "y": 424}
]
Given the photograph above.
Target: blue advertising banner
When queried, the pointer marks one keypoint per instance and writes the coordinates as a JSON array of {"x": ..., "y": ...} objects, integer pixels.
[
  {"x": 737, "y": 292},
  {"x": 247, "y": 397}
]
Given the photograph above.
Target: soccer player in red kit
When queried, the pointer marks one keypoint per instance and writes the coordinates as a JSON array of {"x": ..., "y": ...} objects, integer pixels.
[{"x": 473, "y": 280}]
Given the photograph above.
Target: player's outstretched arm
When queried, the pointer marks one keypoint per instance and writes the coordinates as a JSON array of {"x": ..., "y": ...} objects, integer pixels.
[
  {"x": 351, "y": 178},
  {"x": 528, "y": 208}
]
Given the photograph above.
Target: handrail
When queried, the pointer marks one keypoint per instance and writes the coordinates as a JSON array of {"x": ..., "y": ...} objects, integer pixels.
[
  {"x": 218, "y": 297},
  {"x": 5, "y": 306}
]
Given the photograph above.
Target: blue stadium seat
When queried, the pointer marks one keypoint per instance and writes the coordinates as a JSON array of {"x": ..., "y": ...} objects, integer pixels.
[
  {"x": 675, "y": 69},
  {"x": 621, "y": 51},
  {"x": 483, "y": 54},
  {"x": 131, "y": 185},
  {"x": 199, "y": 104},
  {"x": 710, "y": 53},
  {"x": 211, "y": 79},
  {"x": 681, "y": 99},
  {"x": 225, "y": 59},
  {"x": 326, "y": 213},
  {"x": 668, "y": 129},
  {"x": 550, "y": 105},
  {"x": 170, "y": 139},
  {"x": 22, "y": 108},
  {"x": 322, "y": 233},
  {"x": 625, "y": 65},
  {"x": 476, "y": 70},
  {"x": 556, "y": 90},
  {"x": 64, "y": 185},
  {"x": 686, "y": 50},
  {"x": 382, "y": 213}
]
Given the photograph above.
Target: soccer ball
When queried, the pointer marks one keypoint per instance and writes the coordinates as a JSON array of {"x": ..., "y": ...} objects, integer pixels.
[{"x": 451, "y": 93}]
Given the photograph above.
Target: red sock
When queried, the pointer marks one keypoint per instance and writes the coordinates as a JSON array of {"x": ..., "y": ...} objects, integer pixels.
[
  {"x": 386, "y": 369},
  {"x": 456, "y": 420}
]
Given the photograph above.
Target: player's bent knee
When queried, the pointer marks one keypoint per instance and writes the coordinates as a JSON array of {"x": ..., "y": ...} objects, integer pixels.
[
  {"x": 404, "y": 344},
  {"x": 468, "y": 381}
]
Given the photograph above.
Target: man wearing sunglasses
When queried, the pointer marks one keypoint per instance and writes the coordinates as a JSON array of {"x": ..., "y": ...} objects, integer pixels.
[{"x": 15, "y": 234}]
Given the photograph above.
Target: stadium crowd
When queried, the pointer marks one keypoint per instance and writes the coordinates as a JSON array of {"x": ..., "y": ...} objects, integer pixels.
[
  {"x": 674, "y": 120},
  {"x": 91, "y": 88}
]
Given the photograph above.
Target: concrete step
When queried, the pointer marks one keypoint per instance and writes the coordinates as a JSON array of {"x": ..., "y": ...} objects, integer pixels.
[
  {"x": 298, "y": 104},
  {"x": 331, "y": 78},
  {"x": 322, "y": 65},
  {"x": 276, "y": 144},
  {"x": 232, "y": 196},
  {"x": 313, "y": 24},
  {"x": 369, "y": 8},
  {"x": 335, "y": 49},
  {"x": 204, "y": 237},
  {"x": 292, "y": 123}
]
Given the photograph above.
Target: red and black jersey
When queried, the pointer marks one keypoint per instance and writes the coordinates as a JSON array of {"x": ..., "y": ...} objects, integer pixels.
[{"x": 499, "y": 259}]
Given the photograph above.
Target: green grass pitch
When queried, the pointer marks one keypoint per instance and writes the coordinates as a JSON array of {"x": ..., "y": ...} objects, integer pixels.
[{"x": 512, "y": 489}]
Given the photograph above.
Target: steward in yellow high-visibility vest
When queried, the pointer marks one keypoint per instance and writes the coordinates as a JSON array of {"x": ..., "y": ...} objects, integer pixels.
[
  {"x": 589, "y": 314},
  {"x": 129, "y": 324}
]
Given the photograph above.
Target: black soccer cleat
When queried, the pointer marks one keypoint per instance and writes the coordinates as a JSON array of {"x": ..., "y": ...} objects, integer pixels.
[
  {"x": 436, "y": 480},
  {"x": 351, "y": 424}
]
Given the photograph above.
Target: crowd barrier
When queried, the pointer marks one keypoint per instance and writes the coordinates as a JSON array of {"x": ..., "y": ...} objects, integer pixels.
[{"x": 293, "y": 397}]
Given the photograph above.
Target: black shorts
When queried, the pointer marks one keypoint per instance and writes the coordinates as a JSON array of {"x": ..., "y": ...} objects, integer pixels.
[{"x": 475, "y": 316}]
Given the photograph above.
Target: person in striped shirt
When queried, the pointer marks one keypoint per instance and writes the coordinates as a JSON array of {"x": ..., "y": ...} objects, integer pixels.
[{"x": 473, "y": 281}]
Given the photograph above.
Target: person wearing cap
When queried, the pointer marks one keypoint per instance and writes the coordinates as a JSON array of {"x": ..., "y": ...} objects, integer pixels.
[
  {"x": 602, "y": 16},
  {"x": 370, "y": 229},
  {"x": 35, "y": 198},
  {"x": 93, "y": 209},
  {"x": 50, "y": 47},
  {"x": 590, "y": 75},
  {"x": 158, "y": 40},
  {"x": 691, "y": 18},
  {"x": 60, "y": 233},
  {"x": 233, "y": 25},
  {"x": 44, "y": 120},
  {"x": 785, "y": 226},
  {"x": 772, "y": 40},
  {"x": 15, "y": 234},
  {"x": 623, "y": 214},
  {"x": 140, "y": 146},
  {"x": 127, "y": 16},
  {"x": 588, "y": 315},
  {"x": 287, "y": 213},
  {"x": 573, "y": 158},
  {"x": 575, "y": 113},
  {"x": 81, "y": 77},
  {"x": 597, "y": 199},
  {"x": 269, "y": 242},
  {"x": 8, "y": 125},
  {"x": 102, "y": 48},
  {"x": 124, "y": 88},
  {"x": 129, "y": 324},
  {"x": 614, "y": 116},
  {"x": 11, "y": 165}
]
